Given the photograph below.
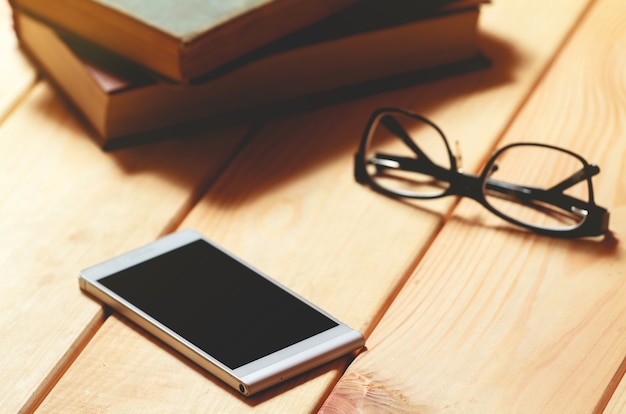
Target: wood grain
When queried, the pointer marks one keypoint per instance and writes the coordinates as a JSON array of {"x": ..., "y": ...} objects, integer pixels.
[
  {"x": 499, "y": 320},
  {"x": 17, "y": 75},
  {"x": 289, "y": 205},
  {"x": 66, "y": 205}
]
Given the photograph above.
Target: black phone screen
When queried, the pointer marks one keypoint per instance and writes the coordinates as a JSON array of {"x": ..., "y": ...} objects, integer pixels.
[{"x": 217, "y": 303}]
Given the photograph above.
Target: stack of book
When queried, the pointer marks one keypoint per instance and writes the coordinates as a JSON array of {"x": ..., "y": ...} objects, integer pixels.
[{"x": 141, "y": 69}]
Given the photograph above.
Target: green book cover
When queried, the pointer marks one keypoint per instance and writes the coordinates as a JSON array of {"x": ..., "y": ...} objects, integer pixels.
[{"x": 183, "y": 19}]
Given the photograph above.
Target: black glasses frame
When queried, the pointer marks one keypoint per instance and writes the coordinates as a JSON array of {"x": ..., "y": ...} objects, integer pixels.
[{"x": 595, "y": 218}]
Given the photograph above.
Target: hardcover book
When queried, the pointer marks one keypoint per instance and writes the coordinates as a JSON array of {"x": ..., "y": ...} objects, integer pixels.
[{"x": 338, "y": 58}]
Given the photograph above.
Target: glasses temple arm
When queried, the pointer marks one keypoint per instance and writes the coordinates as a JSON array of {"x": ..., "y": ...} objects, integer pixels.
[
  {"x": 419, "y": 165},
  {"x": 397, "y": 129},
  {"x": 522, "y": 194},
  {"x": 584, "y": 173},
  {"x": 512, "y": 191},
  {"x": 530, "y": 195}
]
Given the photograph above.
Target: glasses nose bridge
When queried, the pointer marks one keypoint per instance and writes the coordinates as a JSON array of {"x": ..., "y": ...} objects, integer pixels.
[{"x": 468, "y": 185}]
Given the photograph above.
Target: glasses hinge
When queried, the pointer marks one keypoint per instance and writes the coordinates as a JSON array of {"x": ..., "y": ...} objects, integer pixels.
[{"x": 458, "y": 156}]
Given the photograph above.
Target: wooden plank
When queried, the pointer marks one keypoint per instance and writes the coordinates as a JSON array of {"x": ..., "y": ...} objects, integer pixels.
[
  {"x": 499, "y": 320},
  {"x": 289, "y": 205},
  {"x": 66, "y": 205},
  {"x": 16, "y": 73},
  {"x": 614, "y": 401}
]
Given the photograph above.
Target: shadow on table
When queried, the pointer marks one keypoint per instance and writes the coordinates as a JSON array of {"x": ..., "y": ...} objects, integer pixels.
[
  {"x": 305, "y": 136},
  {"x": 288, "y": 148},
  {"x": 603, "y": 246}
]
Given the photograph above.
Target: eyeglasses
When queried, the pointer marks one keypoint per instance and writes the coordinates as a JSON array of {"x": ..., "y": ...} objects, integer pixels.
[{"x": 536, "y": 186}]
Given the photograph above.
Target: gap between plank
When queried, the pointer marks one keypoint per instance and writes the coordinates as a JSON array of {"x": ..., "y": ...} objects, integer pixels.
[
  {"x": 65, "y": 362},
  {"x": 21, "y": 98}
]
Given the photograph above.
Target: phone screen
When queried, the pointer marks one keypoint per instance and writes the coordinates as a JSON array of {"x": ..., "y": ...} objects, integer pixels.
[{"x": 217, "y": 303}]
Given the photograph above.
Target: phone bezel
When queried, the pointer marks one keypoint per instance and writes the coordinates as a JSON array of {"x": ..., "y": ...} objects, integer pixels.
[{"x": 247, "y": 379}]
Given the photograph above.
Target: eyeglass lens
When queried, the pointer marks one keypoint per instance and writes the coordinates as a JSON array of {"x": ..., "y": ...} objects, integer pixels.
[
  {"x": 406, "y": 155},
  {"x": 541, "y": 168}
]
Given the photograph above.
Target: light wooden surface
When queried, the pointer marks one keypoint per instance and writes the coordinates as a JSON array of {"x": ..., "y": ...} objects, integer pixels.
[
  {"x": 497, "y": 321},
  {"x": 463, "y": 313}
]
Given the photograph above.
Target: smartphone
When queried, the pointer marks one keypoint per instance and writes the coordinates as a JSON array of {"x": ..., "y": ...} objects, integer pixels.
[{"x": 223, "y": 314}]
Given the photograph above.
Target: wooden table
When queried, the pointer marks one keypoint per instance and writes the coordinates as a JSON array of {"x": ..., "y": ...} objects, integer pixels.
[{"x": 462, "y": 312}]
